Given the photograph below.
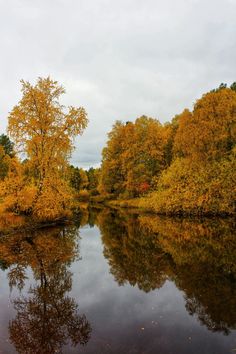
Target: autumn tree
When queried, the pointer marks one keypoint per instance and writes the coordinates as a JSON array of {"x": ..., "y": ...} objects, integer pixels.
[
  {"x": 209, "y": 132},
  {"x": 133, "y": 156},
  {"x": 201, "y": 177},
  {"x": 84, "y": 178},
  {"x": 169, "y": 132},
  {"x": 144, "y": 155},
  {"x": 187, "y": 166},
  {"x": 44, "y": 130},
  {"x": 111, "y": 178}
]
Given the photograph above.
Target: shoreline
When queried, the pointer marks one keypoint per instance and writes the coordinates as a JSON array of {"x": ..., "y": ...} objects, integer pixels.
[
  {"x": 27, "y": 224},
  {"x": 135, "y": 204}
]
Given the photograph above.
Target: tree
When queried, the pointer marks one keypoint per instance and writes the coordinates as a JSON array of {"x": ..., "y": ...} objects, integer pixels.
[
  {"x": 112, "y": 176},
  {"x": 201, "y": 176},
  {"x": 209, "y": 132},
  {"x": 3, "y": 163},
  {"x": 6, "y": 152},
  {"x": 147, "y": 154},
  {"x": 93, "y": 177},
  {"x": 133, "y": 156},
  {"x": 7, "y": 145},
  {"x": 84, "y": 179},
  {"x": 233, "y": 86},
  {"x": 43, "y": 130},
  {"x": 75, "y": 177}
]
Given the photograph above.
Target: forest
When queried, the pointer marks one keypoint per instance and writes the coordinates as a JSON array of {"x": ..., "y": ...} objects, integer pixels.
[{"x": 183, "y": 167}]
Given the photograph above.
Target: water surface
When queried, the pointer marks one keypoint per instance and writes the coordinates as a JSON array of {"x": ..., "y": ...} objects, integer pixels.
[{"x": 120, "y": 283}]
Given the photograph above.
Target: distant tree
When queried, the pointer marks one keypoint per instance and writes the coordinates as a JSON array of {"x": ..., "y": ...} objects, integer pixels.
[
  {"x": 223, "y": 86},
  {"x": 112, "y": 176},
  {"x": 75, "y": 177},
  {"x": 169, "y": 130},
  {"x": 7, "y": 144},
  {"x": 133, "y": 156},
  {"x": 84, "y": 179},
  {"x": 93, "y": 177},
  {"x": 6, "y": 153},
  {"x": 233, "y": 86}
]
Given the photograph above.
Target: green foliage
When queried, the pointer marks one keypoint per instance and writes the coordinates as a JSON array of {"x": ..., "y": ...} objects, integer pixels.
[
  {"x": 6, "y": 152},
  {"x": 7, "y": 145},
  {"x": 75, "y": 178},
  {"x": 93, "y": 179},
  {"x": 233, "y": 86}
]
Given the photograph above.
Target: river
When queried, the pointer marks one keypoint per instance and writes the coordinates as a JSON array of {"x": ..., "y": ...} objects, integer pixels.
[{"x": 120, "y": 282}]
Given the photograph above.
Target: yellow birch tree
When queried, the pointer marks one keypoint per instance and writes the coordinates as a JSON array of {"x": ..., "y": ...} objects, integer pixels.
[{"x": 44, "y": 131}]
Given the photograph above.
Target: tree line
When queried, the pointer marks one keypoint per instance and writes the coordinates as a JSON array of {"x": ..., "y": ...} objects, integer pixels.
[{"x": 186, "y": 166}]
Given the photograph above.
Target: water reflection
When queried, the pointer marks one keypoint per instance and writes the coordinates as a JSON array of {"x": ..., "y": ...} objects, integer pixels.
[
  {"x": 198, "y": 256},
  {"x": 47, "y": 318}
]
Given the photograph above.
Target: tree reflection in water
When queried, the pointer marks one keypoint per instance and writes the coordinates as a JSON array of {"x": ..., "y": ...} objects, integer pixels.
[
  {"x": 47, "y": 318},
  {"x": 199, "y": 256}
]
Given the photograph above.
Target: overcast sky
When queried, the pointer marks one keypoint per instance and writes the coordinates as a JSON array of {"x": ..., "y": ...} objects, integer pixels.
[{"x": 118, "y": 59}]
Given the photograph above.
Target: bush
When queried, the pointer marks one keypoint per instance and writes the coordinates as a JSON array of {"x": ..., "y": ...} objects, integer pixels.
[{"x": 187, "y": 187}]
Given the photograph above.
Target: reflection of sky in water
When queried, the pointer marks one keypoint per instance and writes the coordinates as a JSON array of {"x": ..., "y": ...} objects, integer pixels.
[
  {"x": 6, "y": 309},
  {"x": 127, "y": 320},
  {"x": 124, "y": 319}
]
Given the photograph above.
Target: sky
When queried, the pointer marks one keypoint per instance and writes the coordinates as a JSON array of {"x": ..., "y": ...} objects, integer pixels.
[{"x": 117, "y": 59}]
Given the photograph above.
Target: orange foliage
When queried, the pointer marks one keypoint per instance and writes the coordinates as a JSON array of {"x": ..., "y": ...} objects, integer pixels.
[
  {"x": 189, "y": 163},
  {"x": 209, "y": 132},
  {"x": 133, "y": 156},
  {"x": 42, "y": 129}
]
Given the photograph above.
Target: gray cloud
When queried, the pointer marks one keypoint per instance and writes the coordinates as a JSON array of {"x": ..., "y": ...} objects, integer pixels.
[{"x": 118, "y": 59}]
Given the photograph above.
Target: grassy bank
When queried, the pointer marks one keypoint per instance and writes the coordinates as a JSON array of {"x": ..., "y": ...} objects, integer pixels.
[{"x": 149, "y": 204}]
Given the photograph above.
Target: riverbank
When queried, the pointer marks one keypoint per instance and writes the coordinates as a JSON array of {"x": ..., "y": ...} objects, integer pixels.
[
  {"x": 147, "y": 204},
  {"x": 11, "y": 223}
]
